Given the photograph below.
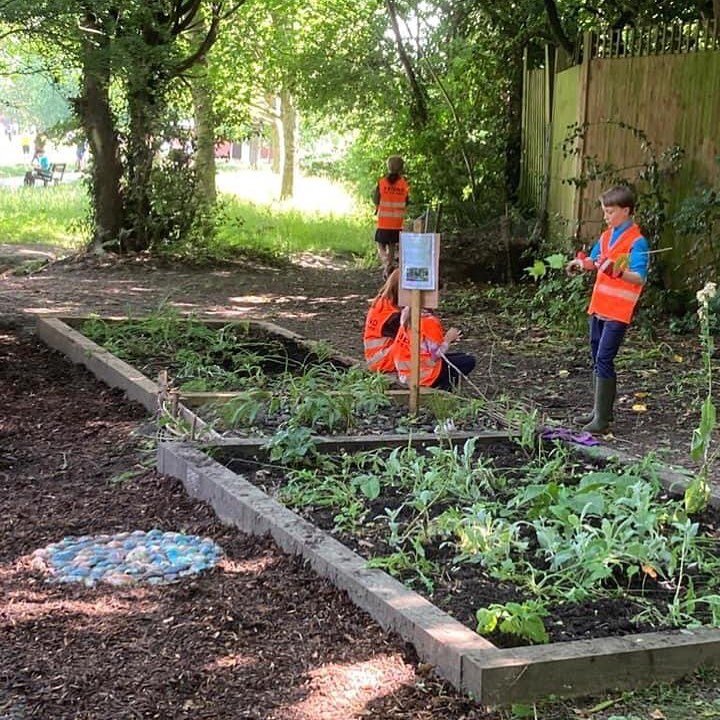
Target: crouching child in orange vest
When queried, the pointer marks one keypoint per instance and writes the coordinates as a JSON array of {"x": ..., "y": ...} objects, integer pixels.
[
  {"x": 381, "y": 326},
  {"x": 621, "y": 259},
  {"x": 438, "y": 368}
]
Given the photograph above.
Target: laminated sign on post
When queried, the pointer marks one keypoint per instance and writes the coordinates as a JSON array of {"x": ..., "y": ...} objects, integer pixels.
[
  {"x": 418, "y": 270},
  {"x": 419, "y": 263}
]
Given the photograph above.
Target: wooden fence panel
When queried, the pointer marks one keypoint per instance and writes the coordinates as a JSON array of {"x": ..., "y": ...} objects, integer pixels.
[
  {"x": 675, "y": 100},
  {"x": 561, "y": 196},
  {"x": 533, "y": 138}
]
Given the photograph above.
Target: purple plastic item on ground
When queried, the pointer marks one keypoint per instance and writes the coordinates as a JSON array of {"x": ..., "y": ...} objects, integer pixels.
[{"x": 560, "y": 433}]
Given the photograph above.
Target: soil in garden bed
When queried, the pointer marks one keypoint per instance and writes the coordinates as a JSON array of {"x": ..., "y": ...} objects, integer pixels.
[
  {"x": 464, "y": 588},
  {"x": 258, "y": 637},
  {"x": 183, "y": 346}
]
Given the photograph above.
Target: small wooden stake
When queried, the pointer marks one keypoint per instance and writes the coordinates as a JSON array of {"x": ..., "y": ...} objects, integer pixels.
[{"x": 415, "y": 310}]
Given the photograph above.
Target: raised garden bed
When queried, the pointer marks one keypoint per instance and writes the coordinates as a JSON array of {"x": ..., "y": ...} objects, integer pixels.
[
  {"x": 252, "y": 380},
  {"x": 471, "y": 662}
]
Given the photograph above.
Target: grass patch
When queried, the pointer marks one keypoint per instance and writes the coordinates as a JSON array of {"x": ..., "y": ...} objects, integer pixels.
[
  {"x": 258, "y": 230},
  {"x": 18, "y": 170},
  {"x": 50, "y": 215},
  {"x": 53, "y": 216}
]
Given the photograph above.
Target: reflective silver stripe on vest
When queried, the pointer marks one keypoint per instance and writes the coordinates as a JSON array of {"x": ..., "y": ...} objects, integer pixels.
[
  {"x": 618, "y": 292},
  {"x": 378, "y": 356},
  {"x": 392, "y": 203},
  {"x": 372, "y": 343}
]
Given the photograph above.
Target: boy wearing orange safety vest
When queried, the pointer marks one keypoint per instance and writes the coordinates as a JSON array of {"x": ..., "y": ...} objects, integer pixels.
[
  {"x": 381, "y": 326},
  {"x": 391, "y": 197},
  {"x": 621, "y": 259}
]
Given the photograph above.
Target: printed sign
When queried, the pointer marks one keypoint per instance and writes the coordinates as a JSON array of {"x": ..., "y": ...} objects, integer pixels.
[{"x": 418, "y": 262}]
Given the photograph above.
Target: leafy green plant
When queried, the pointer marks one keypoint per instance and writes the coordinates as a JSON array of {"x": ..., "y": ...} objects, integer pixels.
[
  {"x": 291, "y": 445},
  {"x": 698, "y": 218},
  {"x": 559, "y": 301},
  {"x": 697, "y": 493},
  {"x": 523, "y": 620}
]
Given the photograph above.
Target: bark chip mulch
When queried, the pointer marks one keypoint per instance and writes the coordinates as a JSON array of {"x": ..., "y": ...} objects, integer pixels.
[{"x": 258, "y": 636}]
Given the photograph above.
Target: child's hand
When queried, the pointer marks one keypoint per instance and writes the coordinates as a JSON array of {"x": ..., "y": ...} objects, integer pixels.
[
  {"x": 452, "y": 335},
  {"x": 580, "y": 263},
  {"x": 574, "y": 267},
  {"x": 612, "y": 269}
]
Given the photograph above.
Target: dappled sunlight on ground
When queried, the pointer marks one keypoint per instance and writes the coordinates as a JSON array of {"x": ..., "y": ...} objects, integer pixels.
[
  {"x": 339, "y": 691},
  {"x": 21, "y": 604}
]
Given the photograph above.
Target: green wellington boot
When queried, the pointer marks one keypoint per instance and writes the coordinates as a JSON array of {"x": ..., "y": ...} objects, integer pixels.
[
  {"x": 588, "y": 417},
  {"x": 604, "y": 399}
]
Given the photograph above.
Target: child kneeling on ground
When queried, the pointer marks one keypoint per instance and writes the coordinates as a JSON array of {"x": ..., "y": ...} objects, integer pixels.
[
  {"x": 381, "y": 326},
  {"x": 438, "y": 368}
]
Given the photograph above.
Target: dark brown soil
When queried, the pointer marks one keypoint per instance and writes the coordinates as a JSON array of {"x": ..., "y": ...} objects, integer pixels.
[
  {"x": 258, "y": 637},
  {"x": 328, "y": 301}
]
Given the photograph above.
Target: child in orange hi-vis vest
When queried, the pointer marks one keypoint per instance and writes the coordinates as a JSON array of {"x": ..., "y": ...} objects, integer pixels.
[
  {"x": 438, "y": 368},
  {"x": 621, "y": 259},
  {"x": 391, "y": 197},
  {"x": 381, "y": 326}
]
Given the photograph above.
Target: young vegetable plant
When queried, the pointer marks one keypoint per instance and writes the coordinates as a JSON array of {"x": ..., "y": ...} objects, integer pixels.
[{"x": 523, "y": 620}]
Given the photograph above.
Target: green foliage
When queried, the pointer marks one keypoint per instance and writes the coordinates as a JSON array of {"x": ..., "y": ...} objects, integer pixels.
[
  {"x": 43, "y": 215},
  {"x": 559, "y": 301},
  {"x": 291, "y": 445},
  {"x": 523, "y": 620},
  {"x": 198, "y": 356},
  {"x": 698, "y": 217},
  {"x": 179, "y": 223},
  {"x": 697, "y": 493}
]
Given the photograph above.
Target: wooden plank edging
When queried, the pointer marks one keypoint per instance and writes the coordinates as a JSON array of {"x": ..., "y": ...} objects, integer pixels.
[
  {"x": 472, "y": 664},
  {"x": 583, "y": 667},
  {"x": 438, "y": 638}
]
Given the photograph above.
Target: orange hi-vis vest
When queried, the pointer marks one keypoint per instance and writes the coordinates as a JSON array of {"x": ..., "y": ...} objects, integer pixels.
[
  {"x": 430, "y": 329},
  {"x": 615, "y": 298},
  {"x": 393, "y": 201},
  {"x": 378, "y": 348}
]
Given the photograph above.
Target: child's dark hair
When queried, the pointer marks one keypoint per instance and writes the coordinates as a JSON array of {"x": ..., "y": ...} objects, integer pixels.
[
  {"x": 395, "y": 166},
  {"x": 620, "y": 195}
]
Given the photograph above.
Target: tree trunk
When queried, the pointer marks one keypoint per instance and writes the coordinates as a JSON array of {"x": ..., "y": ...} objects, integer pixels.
[
  {"x": 513, "y": 127},
  {"x": 421, "y": 113},
  {"x": 140, "y": 163},
  {"x": 716, "y": 10},
  {"x": 204, "y": 131},
  {"x": 276, "y": 139},
  {"x": 556, "y": 28},
  {"x": 288, "y": 122},
  {"x": 94, "y": 111},
  {"x": 254, "y": 150}
]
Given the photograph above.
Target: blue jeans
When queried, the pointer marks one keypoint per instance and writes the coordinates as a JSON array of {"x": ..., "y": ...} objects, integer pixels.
[
  {"x": 606, "y": 337},
  {"x": 449, "y": 376}
]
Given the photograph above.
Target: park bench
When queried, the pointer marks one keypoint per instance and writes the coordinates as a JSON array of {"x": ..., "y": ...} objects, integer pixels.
[{"x": 54, "y": 174}]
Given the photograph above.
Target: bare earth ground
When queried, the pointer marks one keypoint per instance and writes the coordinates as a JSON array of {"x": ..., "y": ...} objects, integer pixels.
[
  {"x": 328, "y": 301},
  {"x": 260, "y": 636}
]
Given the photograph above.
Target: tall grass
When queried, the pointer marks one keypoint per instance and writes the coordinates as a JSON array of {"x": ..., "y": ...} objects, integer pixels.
[
  {"x": 49, "y": 215},
  {"x": 54, "y": 215},
  {"x": 253, "y": 228}
]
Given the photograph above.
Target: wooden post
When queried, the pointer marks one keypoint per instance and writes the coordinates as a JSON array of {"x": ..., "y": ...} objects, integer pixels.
[
  {"x": 582, "y": 120},
  {"x": 415, "y": 311}
]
